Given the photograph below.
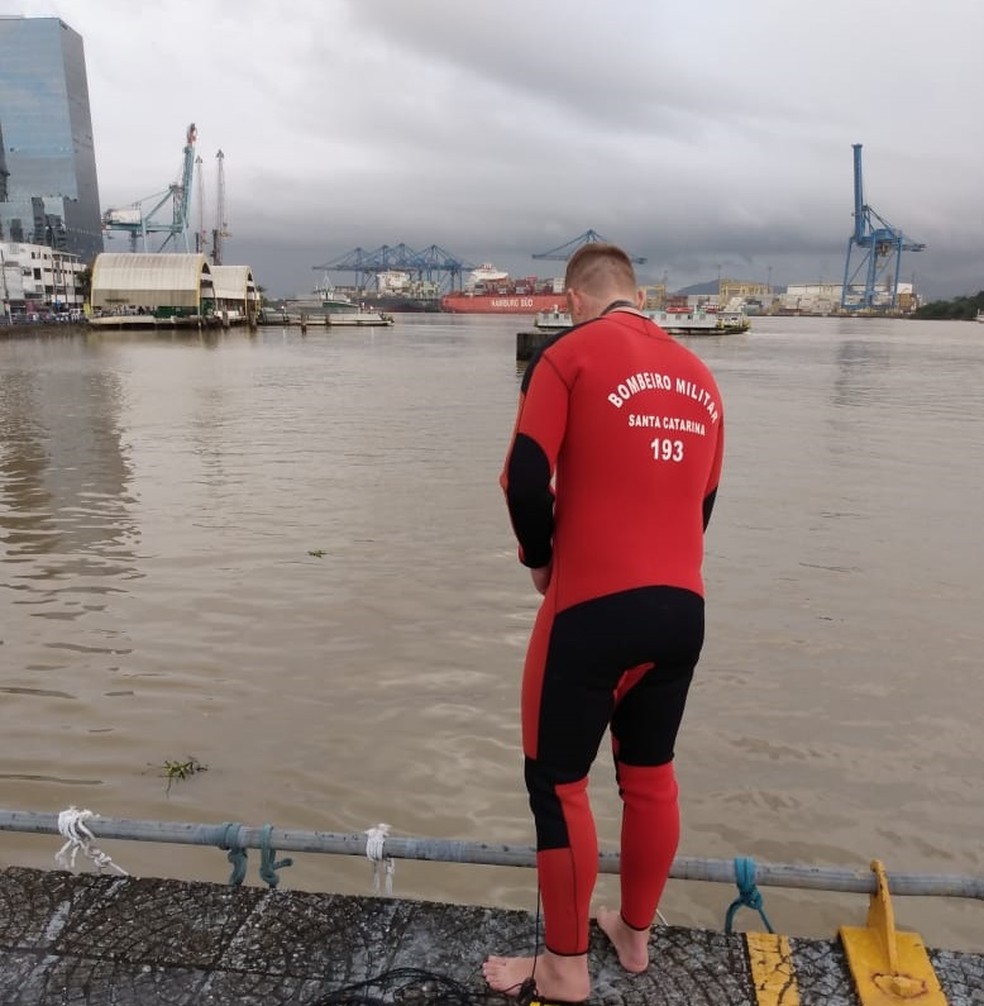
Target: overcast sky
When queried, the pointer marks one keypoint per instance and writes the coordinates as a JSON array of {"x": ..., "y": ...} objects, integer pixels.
[{"x": 708, "y": 135}]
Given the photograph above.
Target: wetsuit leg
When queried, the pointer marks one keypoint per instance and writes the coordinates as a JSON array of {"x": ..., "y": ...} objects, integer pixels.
[
  {"x": 650, "y": 836},
  {"x": 650, "y": 701},
  {"x": 565, "y": 715},
  {"x": 575, "y": 662}
]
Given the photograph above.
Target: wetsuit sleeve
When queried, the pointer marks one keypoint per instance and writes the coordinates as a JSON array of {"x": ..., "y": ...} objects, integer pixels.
[
  {"x": 532, "y": 460},
  {"x": 710, "y": 493}
]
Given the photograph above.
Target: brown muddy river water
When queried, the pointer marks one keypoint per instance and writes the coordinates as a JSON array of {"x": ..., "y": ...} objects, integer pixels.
[{"x": 161, "y": 498}]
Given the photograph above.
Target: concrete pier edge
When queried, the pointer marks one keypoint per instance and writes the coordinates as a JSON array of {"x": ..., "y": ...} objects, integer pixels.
[{"x": 86, "y": 938}]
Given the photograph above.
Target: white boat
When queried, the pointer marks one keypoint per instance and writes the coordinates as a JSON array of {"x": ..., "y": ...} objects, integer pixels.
[
  {"x": 733, "y": 321},
  {"x": 698, "y": 322},
  {"x": 695, "y": 322},
  {"x": 332, "y": 308},
  {"x": 356, "y": 316},
  {"x": 980, "y": 315},
  {"x": 341, "y": 310},
  {"x": 272, "y": 314},
  {"x": 553, "y": 320}
]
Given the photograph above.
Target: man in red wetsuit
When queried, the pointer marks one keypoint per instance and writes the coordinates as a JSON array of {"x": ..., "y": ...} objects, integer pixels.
[{"x": 610, "y": 480}]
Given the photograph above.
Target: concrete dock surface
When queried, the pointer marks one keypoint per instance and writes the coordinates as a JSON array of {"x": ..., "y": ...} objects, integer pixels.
[{"x": 119, "y": 941}]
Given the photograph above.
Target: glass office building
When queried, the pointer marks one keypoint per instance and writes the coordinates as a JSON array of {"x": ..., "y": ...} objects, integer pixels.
[{"x": 48, "y": 189}]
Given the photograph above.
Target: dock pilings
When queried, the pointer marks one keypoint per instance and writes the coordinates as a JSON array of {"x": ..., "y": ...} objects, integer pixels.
[{"x": 527, "y": 343}]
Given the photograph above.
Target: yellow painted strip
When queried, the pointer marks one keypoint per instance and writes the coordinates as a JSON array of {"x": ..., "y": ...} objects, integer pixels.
[
  {"x": 773, "y": 974},
  {"x": 909, "y": 982}
]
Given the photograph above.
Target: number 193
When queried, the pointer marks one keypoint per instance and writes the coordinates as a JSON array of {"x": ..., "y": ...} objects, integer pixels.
[{"x": 667, "y": 450}]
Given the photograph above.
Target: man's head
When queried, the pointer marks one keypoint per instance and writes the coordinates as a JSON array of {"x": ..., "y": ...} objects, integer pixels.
[{"x": 596, "y": 275}]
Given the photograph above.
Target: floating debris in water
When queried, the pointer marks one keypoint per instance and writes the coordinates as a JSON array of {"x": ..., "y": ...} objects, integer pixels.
[{"x": 174, "y": 769}]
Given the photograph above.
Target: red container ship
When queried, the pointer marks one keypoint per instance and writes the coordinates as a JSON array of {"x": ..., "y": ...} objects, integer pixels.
[{"x": 491, "y": 291}]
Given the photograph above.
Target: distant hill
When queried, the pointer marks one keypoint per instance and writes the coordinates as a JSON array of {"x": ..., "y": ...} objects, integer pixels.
[
  {"x": 698, "y": 289},
  {"x": 709, "y": 289}
]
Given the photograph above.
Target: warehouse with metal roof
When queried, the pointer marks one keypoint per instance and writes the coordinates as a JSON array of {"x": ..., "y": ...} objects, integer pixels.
[
  {"x": 172, "y": 283},
  {"x": 235, "y": 291}
]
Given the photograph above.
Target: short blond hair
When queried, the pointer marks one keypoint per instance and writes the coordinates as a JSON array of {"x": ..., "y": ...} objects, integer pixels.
[{"x": 597, "y": 268}]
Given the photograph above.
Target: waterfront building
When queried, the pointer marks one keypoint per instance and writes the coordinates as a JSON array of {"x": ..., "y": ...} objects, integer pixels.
[
  {"x": 175, "y": 284},
  {"x": 236, "y": 296},
  {"x": 826, "y": 298},
  {"x": 811, "y": 298},
  {"x": 49, "y": 193},
  {"x": 37, "y": 281},
  {"x": 742, "y": 288}
]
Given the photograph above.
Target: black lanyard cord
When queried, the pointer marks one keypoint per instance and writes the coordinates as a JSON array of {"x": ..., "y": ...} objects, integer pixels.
[{"x": 617, "y": 304}]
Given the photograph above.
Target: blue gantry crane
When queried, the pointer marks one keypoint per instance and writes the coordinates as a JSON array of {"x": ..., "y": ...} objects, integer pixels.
[
  {"x": 134, "y": 221},
  {"x": 432, "y": 264},
  {"x": 874, "y": 254},
  {"x": 563, "y": 252}
]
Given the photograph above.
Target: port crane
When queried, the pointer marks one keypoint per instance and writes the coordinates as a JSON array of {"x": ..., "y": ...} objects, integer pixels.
[
  {"x": 4, "y": 173},
  {"x": 874, "y": 253},
  {"x": 200, "y": 196},
  {"x": 423, "y": 264},
  {"x": 563, "y": 252},
  {"x": 221, "y": 229},
  {"x": 138, "y": 223}
]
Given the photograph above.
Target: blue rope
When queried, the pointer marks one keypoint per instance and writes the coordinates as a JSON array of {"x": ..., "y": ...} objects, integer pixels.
[
  {"x": 268, "y": 855},
  {"x": 748, "y": 893},
  {"x": 237, "y": 854}
]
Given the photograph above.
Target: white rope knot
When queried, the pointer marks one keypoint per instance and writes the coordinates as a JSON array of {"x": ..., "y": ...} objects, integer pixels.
[
  {"x": 375, "y": 842},
  {"x": 71, "y": 826}
]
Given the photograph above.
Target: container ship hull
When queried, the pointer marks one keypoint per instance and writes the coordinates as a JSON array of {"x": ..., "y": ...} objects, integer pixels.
[
  {"x": 401, "y": 302},
  {"x": 501, "y": 303}
]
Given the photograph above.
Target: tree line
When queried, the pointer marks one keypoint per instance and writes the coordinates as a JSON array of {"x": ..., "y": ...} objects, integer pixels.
[{"x": 958, "y": 309}]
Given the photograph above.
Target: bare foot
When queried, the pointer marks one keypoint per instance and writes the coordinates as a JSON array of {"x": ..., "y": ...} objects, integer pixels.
[
  {"x": 632, "y": 945},
  {"x": 564, "y": 978}
]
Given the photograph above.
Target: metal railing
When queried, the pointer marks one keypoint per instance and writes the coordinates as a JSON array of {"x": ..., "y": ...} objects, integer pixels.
[{"x": 240, "y": 836}]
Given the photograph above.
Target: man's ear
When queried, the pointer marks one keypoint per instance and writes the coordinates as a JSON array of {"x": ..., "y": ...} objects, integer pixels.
[{"x": 641, "y": 299}]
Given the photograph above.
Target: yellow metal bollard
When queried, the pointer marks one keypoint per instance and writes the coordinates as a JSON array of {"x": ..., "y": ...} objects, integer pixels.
[{"x": 889, "y": 968}]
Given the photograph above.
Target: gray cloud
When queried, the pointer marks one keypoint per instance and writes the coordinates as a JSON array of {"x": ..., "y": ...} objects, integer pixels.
[{"x": 701, "y": 136}]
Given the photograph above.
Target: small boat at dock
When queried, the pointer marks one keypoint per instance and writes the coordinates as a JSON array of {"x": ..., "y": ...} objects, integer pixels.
[
  {"x": 694, "y": 322},
  {"x": 331, "y": 308},
  {"x": 359, "y": 317},
  {"x": 700, "y": 322},
  {"x": 553, "y": 320}
]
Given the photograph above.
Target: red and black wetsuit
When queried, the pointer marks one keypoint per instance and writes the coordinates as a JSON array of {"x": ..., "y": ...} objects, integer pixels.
[{"x": 610, "y": 478}]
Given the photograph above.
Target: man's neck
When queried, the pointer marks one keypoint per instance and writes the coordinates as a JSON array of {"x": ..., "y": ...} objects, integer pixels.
[{"x": 621, "y": 304}]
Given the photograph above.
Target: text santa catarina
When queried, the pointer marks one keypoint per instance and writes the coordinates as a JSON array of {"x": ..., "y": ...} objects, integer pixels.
[{"x": 668, "y": 423}]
